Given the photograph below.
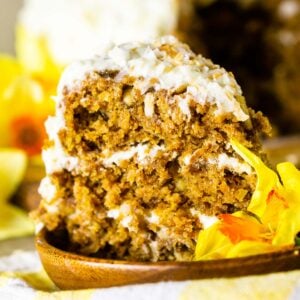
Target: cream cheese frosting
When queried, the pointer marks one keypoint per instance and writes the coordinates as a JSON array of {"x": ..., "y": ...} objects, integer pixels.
[
  {"x": 143, "y": 152},
  {"x": 55, "y": 158},
  {"x": 204, "y": 81}
]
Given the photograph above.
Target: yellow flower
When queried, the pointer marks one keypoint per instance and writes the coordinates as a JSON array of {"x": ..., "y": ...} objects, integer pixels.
[
  {"x": 243, "y": 228},
  {"x": 9, "y": 69},
  {"x": 33, "y": 54},
  {"x": 267, "y": 179},
  {"x": 276, "y": 203},
  {"x": 23, "y": 126},
  {"x": 272, "y": 220},
  {"x": 289, "y": 218}
]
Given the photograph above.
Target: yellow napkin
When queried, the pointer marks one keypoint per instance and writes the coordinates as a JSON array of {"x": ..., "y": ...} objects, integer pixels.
[{"x": 13, "y": 221}]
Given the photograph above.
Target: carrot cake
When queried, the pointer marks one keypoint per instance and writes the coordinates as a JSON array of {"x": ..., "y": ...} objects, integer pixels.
[{"x": 138, "y": 158}]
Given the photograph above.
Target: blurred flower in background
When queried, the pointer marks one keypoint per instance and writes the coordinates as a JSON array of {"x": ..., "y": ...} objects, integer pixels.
[
  {"x": 25, "y": 103},
  {"x": 14, "y": 222}
]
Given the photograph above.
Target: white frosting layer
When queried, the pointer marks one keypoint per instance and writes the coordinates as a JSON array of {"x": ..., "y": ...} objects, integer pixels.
[
  {"x": 153, "y": 219},
  {"x": 125, "y": 215},
  {"x": 205, "y": 220},
  {"x": 205, "y": 82},
  {"x": 55, "y": 158},
  {"x": 47, "y": 189},
  {"x": 142, "y": 151},
  {"x": 223, "y": 161},
  {"x": 77, "y": 29}
]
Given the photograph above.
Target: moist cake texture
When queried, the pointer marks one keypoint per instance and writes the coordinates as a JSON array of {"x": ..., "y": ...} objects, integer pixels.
[{"x": 138, "y": 158}]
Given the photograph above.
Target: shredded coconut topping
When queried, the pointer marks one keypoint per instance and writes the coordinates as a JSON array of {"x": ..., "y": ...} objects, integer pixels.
[{"x": 154, "y": 68}]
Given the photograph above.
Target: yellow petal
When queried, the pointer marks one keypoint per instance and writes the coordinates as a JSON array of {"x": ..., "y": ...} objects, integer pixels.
[
  {"x": 31, "y": 106},
  {"x": 289, "y": 219},
  {"x": 10, "y": 69},
  {"x": 288, "y": 226},
  {"x": 13, "y": 164},
  {"x": 33, "y": 53},
  {"x": 290, "y": 177},
  {"x": 211, "y": 244},
  {"x": 245, "y": 248},
  {"x": 24, "y": 94},
  {"x": 14, "y": 222},
  {"x": 267, "y": 179}
]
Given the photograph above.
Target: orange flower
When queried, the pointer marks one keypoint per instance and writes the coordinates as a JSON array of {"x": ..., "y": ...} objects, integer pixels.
[
  {"x": 240, "y": 228},
  {"x": 28, "y": 133}
]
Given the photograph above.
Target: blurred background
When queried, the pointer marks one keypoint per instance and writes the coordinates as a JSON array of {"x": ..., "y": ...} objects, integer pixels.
[
  {"x": 259, "y": 41},
  {"x": 8, "y": 17}
]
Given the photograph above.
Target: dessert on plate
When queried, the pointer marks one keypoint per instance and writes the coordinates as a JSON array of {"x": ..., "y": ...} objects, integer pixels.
[{"x": 138, "y": 157}]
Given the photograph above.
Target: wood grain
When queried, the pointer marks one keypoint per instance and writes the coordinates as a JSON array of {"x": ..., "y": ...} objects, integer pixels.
[{"x": 72, "y": 271}]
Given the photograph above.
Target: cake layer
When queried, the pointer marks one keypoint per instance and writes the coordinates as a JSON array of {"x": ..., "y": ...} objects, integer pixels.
[{"x": 139, "y": 157}]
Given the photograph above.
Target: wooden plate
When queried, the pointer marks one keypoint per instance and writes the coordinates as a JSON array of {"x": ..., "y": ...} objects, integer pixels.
[{"x": 72, "y": 271}]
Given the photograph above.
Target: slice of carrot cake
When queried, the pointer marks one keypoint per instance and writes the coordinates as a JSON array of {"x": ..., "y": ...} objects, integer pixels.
[{"x": 138, "y": 158}]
